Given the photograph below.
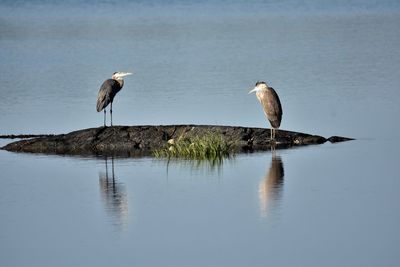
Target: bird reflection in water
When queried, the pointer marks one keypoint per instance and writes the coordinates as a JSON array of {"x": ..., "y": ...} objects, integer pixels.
[
  {"x": 270, "y": 188},
  {"x": 114, "y": 196}
]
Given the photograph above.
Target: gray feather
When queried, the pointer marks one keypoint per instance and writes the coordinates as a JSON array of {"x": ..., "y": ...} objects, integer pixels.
[
  {"x": 272, "y": 106},
  {"x": 106, "y": 94}
]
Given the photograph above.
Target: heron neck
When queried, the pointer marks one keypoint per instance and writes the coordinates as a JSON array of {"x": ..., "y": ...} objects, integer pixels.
[{"x": 120, "y": 81}]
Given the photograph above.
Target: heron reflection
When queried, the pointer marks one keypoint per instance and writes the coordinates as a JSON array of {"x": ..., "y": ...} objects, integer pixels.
[
  {"x": 270, "y": 188},
  {"x": 113, "y": 195}
]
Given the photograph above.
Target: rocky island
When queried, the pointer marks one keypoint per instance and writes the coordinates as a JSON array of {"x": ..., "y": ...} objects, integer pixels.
[{"x": 131, "y": 141}]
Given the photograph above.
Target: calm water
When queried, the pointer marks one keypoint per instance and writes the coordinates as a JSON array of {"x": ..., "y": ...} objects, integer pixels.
[{"x": 336, "y": 67}]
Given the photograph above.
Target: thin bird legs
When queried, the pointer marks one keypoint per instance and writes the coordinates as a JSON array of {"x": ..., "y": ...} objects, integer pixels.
[
  {"x": 112, "y": 170},
  {"x": 273, "y": 133},
  {"x": 110, "y": 115}
]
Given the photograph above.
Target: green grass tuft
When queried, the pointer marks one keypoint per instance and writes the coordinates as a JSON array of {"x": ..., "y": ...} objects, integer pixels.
[{"x": 208, "y": 147}]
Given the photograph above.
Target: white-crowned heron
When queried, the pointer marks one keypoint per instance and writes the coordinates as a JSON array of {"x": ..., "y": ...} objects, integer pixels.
[
  {"x": 271, "y": 104},
  {"x": 108, "y": 90}
]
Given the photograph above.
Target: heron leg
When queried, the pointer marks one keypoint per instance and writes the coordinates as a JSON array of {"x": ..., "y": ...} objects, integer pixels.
[
  {"x": 271, "y": 133},
  {"x": 104, "y": 117},
  {"x": 111, "y": 113},
  {"x": 106, "y": 170},
  {"x": 112, "y": 166},
  {"x": 273, "y": 149}
]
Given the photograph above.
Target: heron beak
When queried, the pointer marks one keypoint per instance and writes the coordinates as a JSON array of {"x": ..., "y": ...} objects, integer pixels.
[
  {"x": 254, "y": 90},
  {"x": 123, "y": 74},
  {"x": 120, "y": 75}
]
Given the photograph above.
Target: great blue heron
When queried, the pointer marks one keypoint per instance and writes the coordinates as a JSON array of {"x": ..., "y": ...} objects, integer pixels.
[
  {"x": 108, "y": 90},
  {"x": 271, "y": 104}
]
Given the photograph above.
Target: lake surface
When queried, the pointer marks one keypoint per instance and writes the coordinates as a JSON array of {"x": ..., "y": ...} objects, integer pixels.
[{"x": 336, "y": 67}]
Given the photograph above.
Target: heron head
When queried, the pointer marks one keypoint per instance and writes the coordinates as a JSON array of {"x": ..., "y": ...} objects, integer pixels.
[
  {"x": 119, "y": 75},
  {"x": 259, "y": 86}
]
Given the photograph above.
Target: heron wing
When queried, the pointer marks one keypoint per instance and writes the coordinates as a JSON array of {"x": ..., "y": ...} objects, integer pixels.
[
  {"x": 106, "y": 93},
  {"x": 272, "y": 106}
]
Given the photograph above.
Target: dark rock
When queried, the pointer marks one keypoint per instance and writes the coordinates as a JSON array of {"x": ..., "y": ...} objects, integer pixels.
[
  {"x": 142, "y": 140},
  {"x": 19, "y": 136}
]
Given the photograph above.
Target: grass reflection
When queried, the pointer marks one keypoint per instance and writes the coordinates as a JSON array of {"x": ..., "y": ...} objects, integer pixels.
[{"x": 196, "y": 166}]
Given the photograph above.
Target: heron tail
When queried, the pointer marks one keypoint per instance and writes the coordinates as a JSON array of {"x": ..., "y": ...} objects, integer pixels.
[
  {"x": 100, "y": 105},
  {"x": 275, "y": 123}
]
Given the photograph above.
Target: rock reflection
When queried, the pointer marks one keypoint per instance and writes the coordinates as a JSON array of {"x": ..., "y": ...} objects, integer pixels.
[
  {"x": 114, "y": 196},
  {"x": 270, "y": 188}
]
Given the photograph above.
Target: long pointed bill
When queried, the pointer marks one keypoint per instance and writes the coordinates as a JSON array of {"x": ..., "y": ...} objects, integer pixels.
[
  {"x": 121, "y": 74},
  {"x": 254, "y": 90}
]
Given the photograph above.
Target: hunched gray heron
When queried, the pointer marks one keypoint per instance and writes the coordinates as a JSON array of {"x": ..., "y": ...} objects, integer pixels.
[
  {"x": 108, "y": 90},
  {"x": 271, "y": 104}
]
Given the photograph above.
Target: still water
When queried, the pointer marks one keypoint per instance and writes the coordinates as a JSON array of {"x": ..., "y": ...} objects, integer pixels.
[{"x": 336, "y": 67}]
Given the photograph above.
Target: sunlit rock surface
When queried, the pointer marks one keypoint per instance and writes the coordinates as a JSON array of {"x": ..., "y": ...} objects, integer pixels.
[{"x": 143, "y": 140}]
